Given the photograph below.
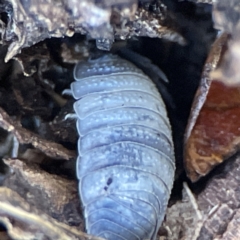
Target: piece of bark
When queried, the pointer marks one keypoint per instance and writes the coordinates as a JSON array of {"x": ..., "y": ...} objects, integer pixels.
[
  {"x": 54, "y": 195},
  {"x": 213, "y": 213},
  {"x": 32, "y": 21},
  {"x": 24, "y": 136},
  {"x": 220, "y": 202},
  {"x": 23, "y": 221},
  {"x": 233, "y": 230}
]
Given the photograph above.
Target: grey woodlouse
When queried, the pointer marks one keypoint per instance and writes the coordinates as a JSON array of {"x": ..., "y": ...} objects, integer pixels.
[{"x": 126, "y": 158}]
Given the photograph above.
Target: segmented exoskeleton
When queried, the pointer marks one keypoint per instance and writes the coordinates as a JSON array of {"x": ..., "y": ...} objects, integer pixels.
[{"x": 126, "y": 160}]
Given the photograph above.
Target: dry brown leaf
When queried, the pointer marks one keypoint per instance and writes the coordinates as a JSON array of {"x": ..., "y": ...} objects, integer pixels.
[{"x": 201, "y": 154}]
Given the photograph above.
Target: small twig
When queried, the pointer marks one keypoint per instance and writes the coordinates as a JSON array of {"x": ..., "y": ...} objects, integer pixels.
[{"x": 198, "y": 212}]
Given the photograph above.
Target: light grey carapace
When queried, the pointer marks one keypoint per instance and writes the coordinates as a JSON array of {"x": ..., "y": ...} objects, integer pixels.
[{"x": 126, "y": 163}]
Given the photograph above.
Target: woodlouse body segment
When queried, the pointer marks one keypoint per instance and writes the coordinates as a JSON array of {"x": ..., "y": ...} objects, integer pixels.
[{"x": 126, "y": 159}]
